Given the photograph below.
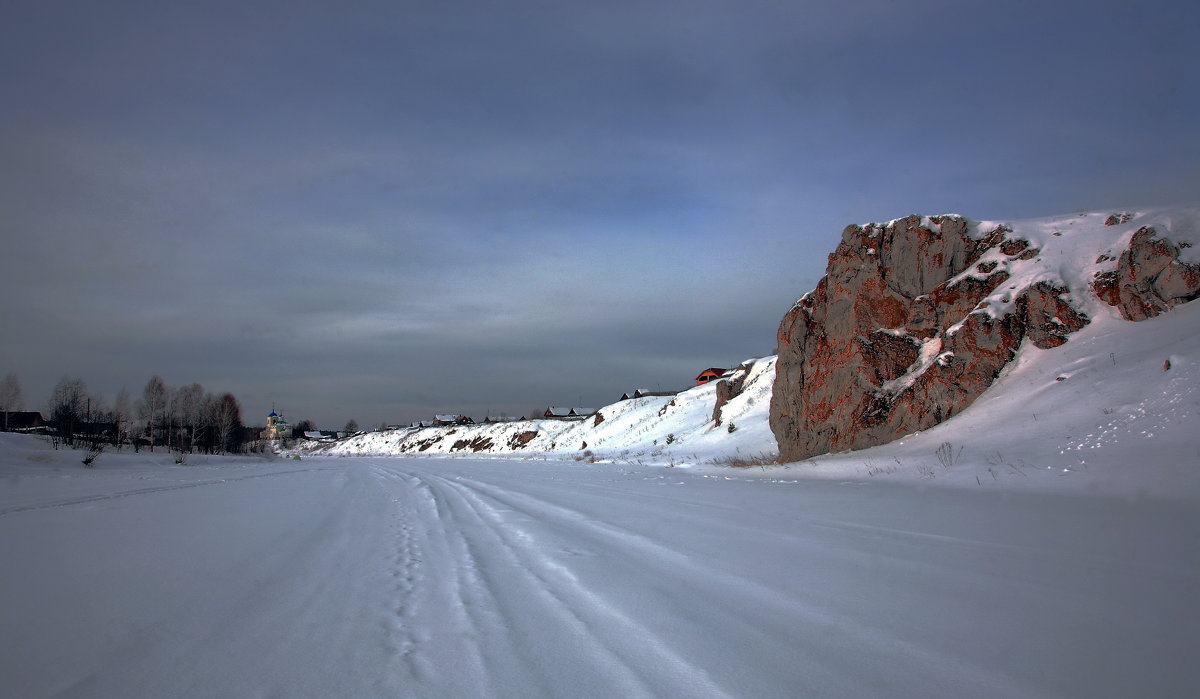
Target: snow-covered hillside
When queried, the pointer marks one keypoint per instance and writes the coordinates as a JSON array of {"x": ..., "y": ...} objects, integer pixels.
[
  {"x": 654, "y": 429},
  {"x": 1113, "y": 410}
]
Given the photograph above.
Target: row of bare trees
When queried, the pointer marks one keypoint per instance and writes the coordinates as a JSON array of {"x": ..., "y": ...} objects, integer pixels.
[
  {"x": 188, "y": 418},
  {"x": 184, "y": 419}
]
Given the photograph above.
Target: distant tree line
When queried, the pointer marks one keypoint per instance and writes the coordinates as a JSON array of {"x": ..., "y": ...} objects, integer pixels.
[{"x": 184, "y": 419}]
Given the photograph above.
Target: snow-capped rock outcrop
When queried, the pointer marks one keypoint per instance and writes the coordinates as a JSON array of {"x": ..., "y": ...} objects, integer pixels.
[
  {"x": 916, "y": 317},
  {"x": 1150, "y": 277}
]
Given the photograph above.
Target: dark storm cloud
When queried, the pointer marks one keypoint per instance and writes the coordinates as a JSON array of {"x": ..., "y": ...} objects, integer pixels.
[{"x": 379, "y": 209}]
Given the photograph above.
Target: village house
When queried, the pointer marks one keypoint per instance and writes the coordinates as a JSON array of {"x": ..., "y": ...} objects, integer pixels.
[
  {"x": 710, "y": 374},
  {"x": 643, "y": 393},
  {"x": 557, "y": 413},
  {"x": 320, "y": 435},
  {"x": 445, "y": 420},
  {"x": 493, "y": 419},
  {"x": 22, "y": 421}
]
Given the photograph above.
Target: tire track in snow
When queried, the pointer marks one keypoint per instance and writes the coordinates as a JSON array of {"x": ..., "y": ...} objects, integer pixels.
[
  {"x": 623, "y": 652},
  {"x": 433, "y": 616},
  {"x": 148, "y": 491},
  {"x": 774, "y": 611}
]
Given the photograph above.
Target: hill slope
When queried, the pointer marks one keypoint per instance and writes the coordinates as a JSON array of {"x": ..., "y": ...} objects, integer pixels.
[{"x": 1113, "y": 408}]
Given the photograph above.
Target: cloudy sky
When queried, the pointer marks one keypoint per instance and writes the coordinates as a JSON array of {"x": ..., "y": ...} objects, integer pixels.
[{"x": 382, "y": 210}]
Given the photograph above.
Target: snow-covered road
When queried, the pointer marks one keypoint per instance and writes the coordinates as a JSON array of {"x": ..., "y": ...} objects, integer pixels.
[{"x": 460, "y": 578}]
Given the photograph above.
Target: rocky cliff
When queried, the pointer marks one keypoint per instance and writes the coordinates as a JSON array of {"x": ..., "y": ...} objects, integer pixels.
[{"x": 916, "y": 317}]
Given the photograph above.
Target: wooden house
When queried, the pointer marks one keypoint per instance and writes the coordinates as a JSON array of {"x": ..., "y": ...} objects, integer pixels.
[
  {"x": 445, "y": 420},
  {"x": 22, "y": 421},
  {"x": 555, "y": 412},
  {"x": 643, "y": 393},
  {"x": 710, "y": 374}
]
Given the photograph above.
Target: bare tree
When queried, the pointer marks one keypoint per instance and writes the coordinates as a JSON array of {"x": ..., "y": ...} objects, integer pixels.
[
  {"x": 122, "y": 416},
  {"x": 229, "y": 423},
  {"x": 153, "y": 405},
  {"x": 11, "y": 399},
  {"x": 189, "y": 409},
  {"x": 68, "y": 403},
  {"x": 97, "y": 417},
  {"x": 351, "y": 426}
]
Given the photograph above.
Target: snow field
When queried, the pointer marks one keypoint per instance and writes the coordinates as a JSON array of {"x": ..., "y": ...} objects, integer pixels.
[{"x": 482, "y": 578}]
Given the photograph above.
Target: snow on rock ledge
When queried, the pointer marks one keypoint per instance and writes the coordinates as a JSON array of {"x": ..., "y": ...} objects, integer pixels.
[{"x": 916, "y": 317}]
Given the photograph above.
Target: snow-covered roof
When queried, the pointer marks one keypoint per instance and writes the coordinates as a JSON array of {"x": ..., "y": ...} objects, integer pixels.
[{"x": 642, "y": 393}]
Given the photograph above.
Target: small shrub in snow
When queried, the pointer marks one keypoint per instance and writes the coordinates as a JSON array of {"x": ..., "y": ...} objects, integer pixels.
[
  {"x": 671, "y": 438},
  {"x": 93, "y": 452},
  {"x": 731, "y": 428},
  {"x": 946, "y": 454}
]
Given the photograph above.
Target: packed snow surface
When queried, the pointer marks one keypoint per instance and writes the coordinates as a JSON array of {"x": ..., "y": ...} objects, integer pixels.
[{"x": 420, "y": 577}]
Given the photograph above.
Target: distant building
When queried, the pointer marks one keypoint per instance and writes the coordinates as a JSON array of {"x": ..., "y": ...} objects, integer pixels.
[
  {"x": 321, "y": 435},
  {"x": 22, "y": 421},
  {"x": 559, "y": 413},
  {"x": 643, "y": 393},
  {"x": 710, "y": 374},
  {"x": 277, "y": 427},
  {"x": 444, "y": 420}
]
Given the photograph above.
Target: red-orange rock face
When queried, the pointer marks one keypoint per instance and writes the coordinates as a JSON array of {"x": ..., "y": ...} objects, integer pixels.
[
  {"x": 1150, "y": 278},
  {"x": 890, "y": 343},
  {"x": 910, "y": 324}
]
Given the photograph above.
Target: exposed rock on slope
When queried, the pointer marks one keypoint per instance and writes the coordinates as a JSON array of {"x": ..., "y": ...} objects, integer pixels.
[
  {"x": 1150, "y": 278},
  {"x": 915, "y": 318}
]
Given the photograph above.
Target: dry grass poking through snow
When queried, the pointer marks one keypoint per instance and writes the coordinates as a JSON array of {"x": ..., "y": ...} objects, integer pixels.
[{"x": 746, "y": 461}]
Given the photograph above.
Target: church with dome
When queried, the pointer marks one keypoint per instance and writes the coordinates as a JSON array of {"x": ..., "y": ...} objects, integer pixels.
[{"x": 277, "y": 427}]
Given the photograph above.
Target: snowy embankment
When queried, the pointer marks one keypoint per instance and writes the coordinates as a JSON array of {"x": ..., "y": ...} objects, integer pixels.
[{"x": 650, "y": 430}]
